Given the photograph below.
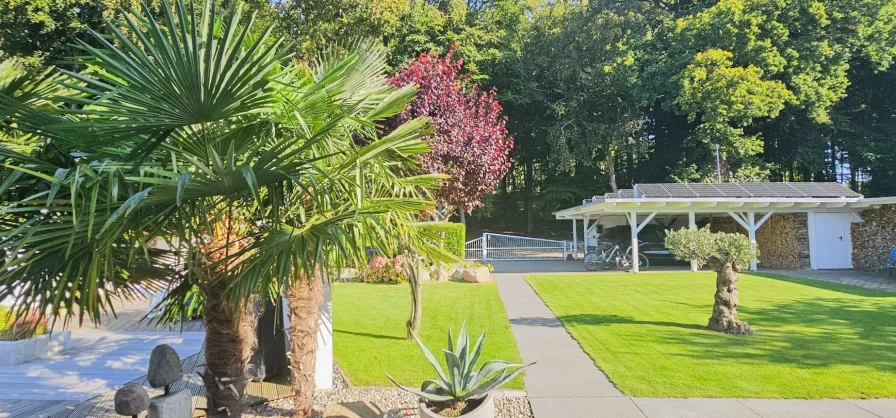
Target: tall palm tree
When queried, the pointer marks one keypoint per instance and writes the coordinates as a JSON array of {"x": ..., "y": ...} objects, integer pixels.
[{"x": 261, "y": 173}]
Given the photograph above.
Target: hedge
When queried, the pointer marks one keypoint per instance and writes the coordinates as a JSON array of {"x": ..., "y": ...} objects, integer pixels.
[{"x": 456, "y": 239}]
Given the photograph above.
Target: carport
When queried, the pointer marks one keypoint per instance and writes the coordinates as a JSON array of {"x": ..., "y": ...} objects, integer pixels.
[{"x": 829, "y": 210}]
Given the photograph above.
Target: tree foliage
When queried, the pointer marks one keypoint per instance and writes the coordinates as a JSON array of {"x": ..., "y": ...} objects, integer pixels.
[
  {"x": 713, "y": 248},
  {"x": 470, "y": 142}
]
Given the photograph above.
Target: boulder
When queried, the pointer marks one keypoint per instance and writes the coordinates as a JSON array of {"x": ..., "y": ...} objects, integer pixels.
[
  {"x": 477, "y": 275},
  {"x": 131, "y": 400},
  {"x": 174, "y": 405},
  {"x": 164, "y": 367}
]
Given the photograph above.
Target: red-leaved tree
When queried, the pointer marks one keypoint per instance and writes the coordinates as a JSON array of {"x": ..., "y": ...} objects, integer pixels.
[{"x": 470, "y": 142}]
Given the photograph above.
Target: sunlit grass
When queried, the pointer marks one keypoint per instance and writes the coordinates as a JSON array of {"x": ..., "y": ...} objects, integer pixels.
[
  {"x": 812, "y": 339},
  {"x": 370, "y": 337}
]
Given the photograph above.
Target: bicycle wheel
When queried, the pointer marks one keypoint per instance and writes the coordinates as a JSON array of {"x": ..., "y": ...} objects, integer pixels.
[
  {"x": 643, "y": 262},
  {"x": 624, "y": 262},
  {"x": 592, "y": 262}
]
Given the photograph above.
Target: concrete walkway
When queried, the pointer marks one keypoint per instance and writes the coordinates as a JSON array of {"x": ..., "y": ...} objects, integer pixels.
[{"x": 566, "y": 383}]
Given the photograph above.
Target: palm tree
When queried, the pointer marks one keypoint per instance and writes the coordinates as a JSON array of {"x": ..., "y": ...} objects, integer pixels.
[{"x": 262, "y": 174}]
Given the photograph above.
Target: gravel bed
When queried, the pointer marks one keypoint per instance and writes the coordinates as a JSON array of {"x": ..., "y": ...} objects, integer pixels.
[{"x": 395, "y": 403}]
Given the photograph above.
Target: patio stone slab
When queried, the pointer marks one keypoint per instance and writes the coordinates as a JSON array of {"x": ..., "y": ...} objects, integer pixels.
[
  {"x": 884, "y": 408},
  {"x": 620, "y": 407},
  {"x": 693, "y": 408},
  {"x": 799, "y": 408}
]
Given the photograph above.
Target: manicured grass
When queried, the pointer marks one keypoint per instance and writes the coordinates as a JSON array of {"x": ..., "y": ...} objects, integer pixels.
[
  {"x": 812, "y": 339},
  {"x": 370, "y": 337}
]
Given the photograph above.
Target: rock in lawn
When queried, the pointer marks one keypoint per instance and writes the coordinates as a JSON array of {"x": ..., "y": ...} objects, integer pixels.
[
  {"x": 362, "y": 409},
  {"x": 131, "y": 400},
  {"x": 477, "y": 275},
  {"x": 174, "y": 405},
  {"x": 164, "y": 367}
]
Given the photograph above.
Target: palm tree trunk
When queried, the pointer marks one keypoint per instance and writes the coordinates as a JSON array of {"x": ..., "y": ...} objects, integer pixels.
[
  {"x": 413, "y": 269},
  {"x": 304, "y": 318},
  {"x": 724, "y": 312},
  {"x": 229, "y": 341}
]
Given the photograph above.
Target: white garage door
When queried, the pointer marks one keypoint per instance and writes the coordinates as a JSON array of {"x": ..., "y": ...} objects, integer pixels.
[{"x": 830, "y": 240}]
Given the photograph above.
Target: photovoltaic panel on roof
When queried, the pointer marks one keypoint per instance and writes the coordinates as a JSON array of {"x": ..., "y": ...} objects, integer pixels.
[
  {"x": 744, "y": 190},
  {"x": 627, "y": 193},
  {"x": 610, "y": 195},
  {"x": 706, "y": 190}
]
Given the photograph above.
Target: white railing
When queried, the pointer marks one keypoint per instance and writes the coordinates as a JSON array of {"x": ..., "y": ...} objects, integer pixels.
[{"x": 510, "y": 247}]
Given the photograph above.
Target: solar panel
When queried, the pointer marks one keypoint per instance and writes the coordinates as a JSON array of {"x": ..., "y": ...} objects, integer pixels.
[
  {"x": 627, "y": 194},
  {"x": 610, "y": 196},
  {"x": 743, "y": 190},
  {"x": 706, "y": 190}
]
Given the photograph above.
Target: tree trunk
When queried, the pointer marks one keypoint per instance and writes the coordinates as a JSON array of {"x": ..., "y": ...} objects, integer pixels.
[
  {"x": 611, "y": 170},
  {"x": 229, "y": 325},
  {"x": 724, "y": 312},
  {"x": 413, "y": 269},
  {"x": 229, "y": 341},
  {"x": 304, "y": 318},
  {"x": 530, "y": 178},
  {"x": 462, "y": 214}
]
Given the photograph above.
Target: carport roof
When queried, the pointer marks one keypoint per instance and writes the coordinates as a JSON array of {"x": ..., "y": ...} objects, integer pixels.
[{"x": 724, "y": 197}]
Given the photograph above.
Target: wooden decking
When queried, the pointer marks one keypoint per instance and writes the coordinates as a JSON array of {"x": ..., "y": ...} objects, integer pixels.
[{"x": 103, "y": 405}]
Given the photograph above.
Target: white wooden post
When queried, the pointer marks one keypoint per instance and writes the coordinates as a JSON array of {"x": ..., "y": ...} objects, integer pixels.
[
  {"x": 323, "y": 359},
  {"x": 633, "y": 221},
  {"x": 692, "y": 223},
  {"x": 575, "y": 241},
  {"x": 484, "y": 247},
  {"x": 751, "y": 221}
]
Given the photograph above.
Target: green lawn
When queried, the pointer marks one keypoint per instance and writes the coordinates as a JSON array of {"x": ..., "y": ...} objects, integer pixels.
[
  {"x": 370, "y": 337},
  {"x": 812, "y": 339}
]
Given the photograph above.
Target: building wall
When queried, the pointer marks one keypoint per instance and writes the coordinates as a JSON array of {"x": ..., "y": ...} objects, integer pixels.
[
  {"x": 873, "y": 238},
  {"x": 783, "y": 239}
]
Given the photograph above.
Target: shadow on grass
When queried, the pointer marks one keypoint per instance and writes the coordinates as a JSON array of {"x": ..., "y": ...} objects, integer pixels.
[
  {"x": 598, "y": 319},
  {"x": 821, "y": 284},
  {"x": 369, "y": 335},
  {"x": 812, "y": 333}
]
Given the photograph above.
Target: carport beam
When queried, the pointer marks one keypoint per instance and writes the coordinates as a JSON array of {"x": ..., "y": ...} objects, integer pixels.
[
  {"x": 575, "y": 240},
  {"x": 633, "y": 223}
]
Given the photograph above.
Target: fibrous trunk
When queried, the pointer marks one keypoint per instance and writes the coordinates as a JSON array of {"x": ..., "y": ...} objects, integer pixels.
[
  {"x": 229, "y": 323},
  {"x": 413, "y": 269},
  {"x": 724, "y": 312},
  {"x": 229, "y": 341},
  {"x": 304, "y": 300}
]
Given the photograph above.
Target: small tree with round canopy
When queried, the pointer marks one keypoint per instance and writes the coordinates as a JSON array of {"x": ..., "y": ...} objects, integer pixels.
[{"x": 724, "y": 253}]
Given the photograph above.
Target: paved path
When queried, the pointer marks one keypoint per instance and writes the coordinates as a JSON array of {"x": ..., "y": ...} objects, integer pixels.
[
  {"x": 851, "y": 277},
  {"x": 566, "y": 383}
]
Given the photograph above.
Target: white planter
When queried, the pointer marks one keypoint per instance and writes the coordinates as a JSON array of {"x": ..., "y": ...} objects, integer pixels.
[
  {"x": 485, "y": 410},
  {"x": 17, "y": 352}
]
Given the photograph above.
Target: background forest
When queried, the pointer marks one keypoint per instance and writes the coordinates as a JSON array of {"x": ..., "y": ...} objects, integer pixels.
[{"x": 603, "y": 94}]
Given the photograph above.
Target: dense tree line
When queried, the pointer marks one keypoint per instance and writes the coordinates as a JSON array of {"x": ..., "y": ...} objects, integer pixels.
[{"x": 603, "y": 94}]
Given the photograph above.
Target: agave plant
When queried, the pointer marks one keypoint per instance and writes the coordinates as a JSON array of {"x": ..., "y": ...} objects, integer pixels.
[{"x": 463, "y": 382}]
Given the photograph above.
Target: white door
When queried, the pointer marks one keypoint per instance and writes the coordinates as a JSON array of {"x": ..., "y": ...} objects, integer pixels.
[{"x": 830, "y": 240}]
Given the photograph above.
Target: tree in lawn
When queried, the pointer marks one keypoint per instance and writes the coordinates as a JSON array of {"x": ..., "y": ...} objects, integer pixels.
[
  {"x": 724, "y": 253},
  {"x": 470, "y": 141},
  {"x": 201, "y": 133}
]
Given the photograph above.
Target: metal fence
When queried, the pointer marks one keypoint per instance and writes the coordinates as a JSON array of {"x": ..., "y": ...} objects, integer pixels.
[{"x": 510, "y": 247}]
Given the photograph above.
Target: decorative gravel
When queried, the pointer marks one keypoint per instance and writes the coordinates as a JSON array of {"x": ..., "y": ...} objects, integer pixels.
[{"x": 395, "y": 403}]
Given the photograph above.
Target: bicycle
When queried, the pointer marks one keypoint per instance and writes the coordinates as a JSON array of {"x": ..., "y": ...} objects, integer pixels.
[{"x": 605, "y": 259}]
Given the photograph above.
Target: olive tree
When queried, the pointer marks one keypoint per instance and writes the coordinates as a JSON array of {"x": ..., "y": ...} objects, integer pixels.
[{"x": 724, "y": 253}]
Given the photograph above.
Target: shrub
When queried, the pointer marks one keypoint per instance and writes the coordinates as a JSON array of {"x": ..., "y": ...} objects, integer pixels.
[
  {"x": 456, "y": 240},
  {"x": 27, "y": 326},
  {"x": 382, "y": 269}
]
